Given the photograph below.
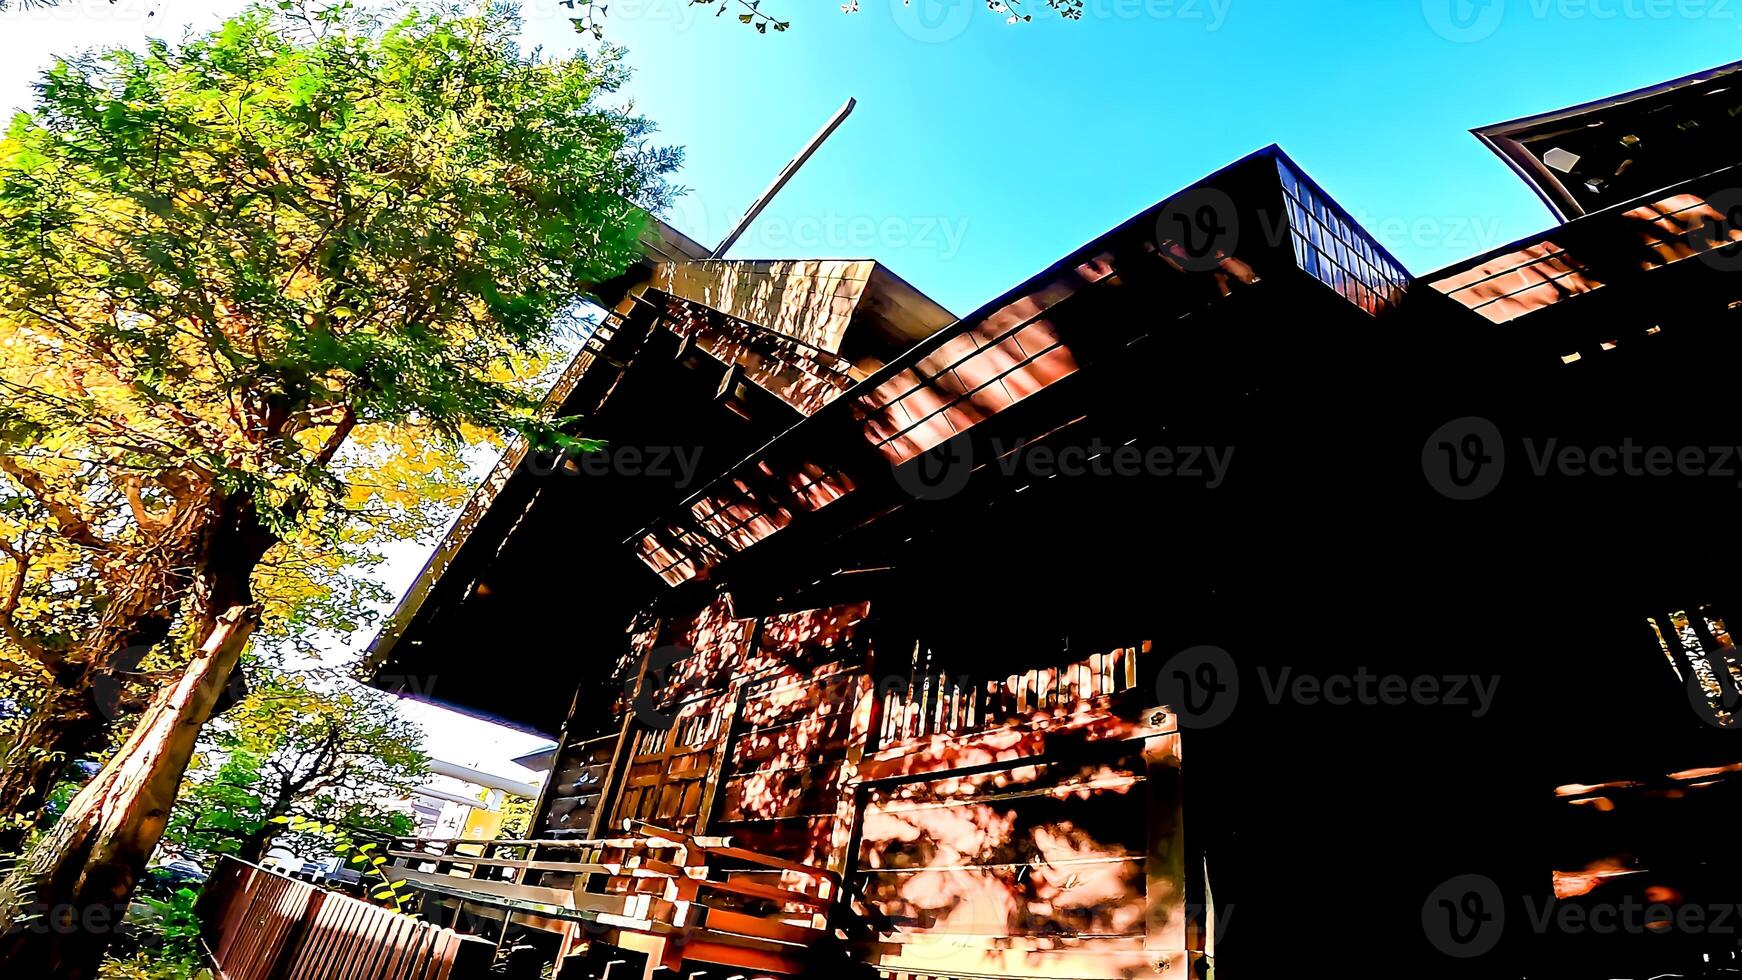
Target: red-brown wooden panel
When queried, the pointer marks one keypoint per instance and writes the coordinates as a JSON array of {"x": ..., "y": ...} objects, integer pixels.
[
  {"x": 264, "y": 925},
  {"x": 1055, "y": 849}
]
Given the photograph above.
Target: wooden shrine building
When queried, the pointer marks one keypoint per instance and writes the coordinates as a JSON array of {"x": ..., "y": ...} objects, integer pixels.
[{"x": 860, "y": 634}]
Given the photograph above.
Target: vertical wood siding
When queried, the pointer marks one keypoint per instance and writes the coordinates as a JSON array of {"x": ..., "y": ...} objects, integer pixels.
[{"x": 264, "y": 926}]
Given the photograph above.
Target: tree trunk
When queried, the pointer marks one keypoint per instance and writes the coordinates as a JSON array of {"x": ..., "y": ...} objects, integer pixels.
[
  {"x": 59, "y": 906},
  {"x": 86, "y": 696},
  {"x": 226, "y": 542},
  {"x": 255, "y": 845},
  {"x": 61, "y": 729}
]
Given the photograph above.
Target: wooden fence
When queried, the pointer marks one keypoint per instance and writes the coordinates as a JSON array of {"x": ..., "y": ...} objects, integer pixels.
[{"x": 259, "y": 925}]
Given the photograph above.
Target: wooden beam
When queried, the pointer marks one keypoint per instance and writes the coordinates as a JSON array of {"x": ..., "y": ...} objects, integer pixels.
[
  {"x": 741, "y": 924},
  {"x": 619, "y": 770},
  {"x": 1164, "y": 871},
  {"x": 687, "y": 888},
  {"x": 541, "y": 806},
  {"x": 849, "y": 808},
  {"x": 730, "y": 729},
  {"x": 460, "y": 887},
  {"x": 563, "y": 867},
  {"x": 786, "y": 174},
  {"x": 719, "y": 949}
]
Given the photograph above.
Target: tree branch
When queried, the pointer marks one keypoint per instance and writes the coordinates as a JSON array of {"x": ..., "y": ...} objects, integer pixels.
[
  {"x": 9, "y": 605},
  {"x": 135, "y": 502},
  {"x": 72, "y": 525},
  {"x": 341, "y": 432}
]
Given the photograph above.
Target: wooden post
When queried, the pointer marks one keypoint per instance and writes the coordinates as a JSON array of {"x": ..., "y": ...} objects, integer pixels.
[
  {"x": 846, "y": 826},
  {"x": 728, "y": 737},
  {"x": 1165, "y": 870},
  {"x": 868, "y": 708},
  {"x": 615, "y": 773},
  {"x": 540, "y": 807}
]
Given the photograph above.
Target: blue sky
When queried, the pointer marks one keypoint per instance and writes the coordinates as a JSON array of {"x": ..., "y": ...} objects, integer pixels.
[
  {"x": 975, "y": 160},
  {"x": 980, "y": 151}
]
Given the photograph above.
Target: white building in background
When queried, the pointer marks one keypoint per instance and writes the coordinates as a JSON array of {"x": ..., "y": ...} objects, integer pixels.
[
  {"x": 457, "y": 801},
  {"x": 462, "y": 801}
]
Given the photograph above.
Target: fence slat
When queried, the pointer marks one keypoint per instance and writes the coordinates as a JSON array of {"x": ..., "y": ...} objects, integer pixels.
[{"x": 262, "y": 926}]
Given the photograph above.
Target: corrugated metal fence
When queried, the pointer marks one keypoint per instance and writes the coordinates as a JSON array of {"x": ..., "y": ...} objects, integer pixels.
[{"x": 260, "y": 925}]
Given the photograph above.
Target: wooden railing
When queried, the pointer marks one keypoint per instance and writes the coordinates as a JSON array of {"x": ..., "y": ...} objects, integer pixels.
[
  {"x": 260, "y": 925},
  {"x": 724, "y": 900},
  {"x": 940, "y": 702}
]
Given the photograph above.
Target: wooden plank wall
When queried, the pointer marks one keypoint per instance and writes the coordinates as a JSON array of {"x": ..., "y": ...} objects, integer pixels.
[
  {"x": 1024, "y": 825},
  {"x": 1029, "y": 825},
  {"x": 782, "y": 781},
  {"x": 1038, "y": 868},
  {"x": 576, "y": 783},
  {"x": 263, "y": 926},
  {"x": 782, "y": 776}
]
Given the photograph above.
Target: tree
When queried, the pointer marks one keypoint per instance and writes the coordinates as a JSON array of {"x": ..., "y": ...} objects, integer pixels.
[
  {"x": 748, "y": 12},
  {"x": 6, "y": 5},
  {"x": 341, "y": 757},
  {"x": 751, "y": 14},
  {"x": 403, "y": 486},
  {"x": 230, "y": 267}
]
